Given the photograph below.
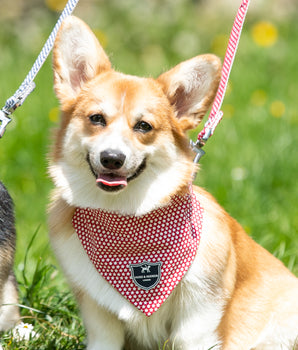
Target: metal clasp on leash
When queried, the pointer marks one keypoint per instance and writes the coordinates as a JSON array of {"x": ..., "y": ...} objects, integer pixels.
[
  {"x": 204, "y": 136},
  {"x": 197, "y": 148},
  {"x": 19, "y": 97},
  {"x": 4, "y": 120},
  {"x": 13, "y": 103}
]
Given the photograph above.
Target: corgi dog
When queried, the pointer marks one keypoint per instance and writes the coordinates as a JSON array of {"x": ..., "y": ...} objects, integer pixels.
[
  {"x": 122, "y": 165},
  {"x": 9, "y": 310}
]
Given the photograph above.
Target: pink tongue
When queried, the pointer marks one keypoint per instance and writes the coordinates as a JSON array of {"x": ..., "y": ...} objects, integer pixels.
[{"x": 112, "y": 180}]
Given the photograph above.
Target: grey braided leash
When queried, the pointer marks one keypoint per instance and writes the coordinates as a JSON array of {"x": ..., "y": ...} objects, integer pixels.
[{"x": 28, "y": 84}]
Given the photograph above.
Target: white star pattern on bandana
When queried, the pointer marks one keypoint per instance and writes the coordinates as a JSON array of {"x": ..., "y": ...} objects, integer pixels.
[{"x": 143, "y": 257}]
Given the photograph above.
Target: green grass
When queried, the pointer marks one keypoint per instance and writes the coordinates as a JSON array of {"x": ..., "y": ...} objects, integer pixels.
[
  {"x": 51, "y": 310},
  {"x": 251, "y": 162}
]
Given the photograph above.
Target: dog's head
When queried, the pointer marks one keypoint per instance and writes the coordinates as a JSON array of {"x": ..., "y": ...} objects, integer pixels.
[{"x": 122, "y": 141}]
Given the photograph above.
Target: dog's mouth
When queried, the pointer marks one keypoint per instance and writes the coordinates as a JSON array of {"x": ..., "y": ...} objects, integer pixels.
[{"x": 113, "y": 181}]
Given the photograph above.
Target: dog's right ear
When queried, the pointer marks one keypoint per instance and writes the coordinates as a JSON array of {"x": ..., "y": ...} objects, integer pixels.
[
  {"x": 191, "y": 87},
  {"x": 77, "y": 58}
]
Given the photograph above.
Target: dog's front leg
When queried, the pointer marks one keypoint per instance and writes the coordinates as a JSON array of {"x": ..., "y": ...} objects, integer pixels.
[
  {"x": 104, "y": 330},
  {"x": 198, "y": 331}
]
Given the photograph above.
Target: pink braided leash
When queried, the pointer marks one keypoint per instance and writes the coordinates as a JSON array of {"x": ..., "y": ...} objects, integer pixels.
[{"x": 216, "y": 114}]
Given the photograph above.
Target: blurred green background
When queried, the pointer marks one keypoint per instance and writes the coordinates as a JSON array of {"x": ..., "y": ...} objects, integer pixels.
[{"x": 251, "y": 163}]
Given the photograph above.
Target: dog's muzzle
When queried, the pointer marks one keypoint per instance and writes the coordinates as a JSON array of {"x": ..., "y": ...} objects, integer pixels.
[{"x": 111, "y": 179}]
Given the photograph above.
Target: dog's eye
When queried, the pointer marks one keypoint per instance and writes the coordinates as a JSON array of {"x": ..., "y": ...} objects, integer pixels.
[
  {"x": 98, "y": 119},
  {"x": 142, "y": 127}
]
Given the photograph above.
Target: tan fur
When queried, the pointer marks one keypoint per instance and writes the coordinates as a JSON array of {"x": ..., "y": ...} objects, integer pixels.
[
  {"x": 60, "y": 214},
  {"x": 236, "y": 295}
]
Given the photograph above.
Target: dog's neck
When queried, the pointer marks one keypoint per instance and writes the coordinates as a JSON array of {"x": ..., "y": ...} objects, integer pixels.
[{"x": 140, "y": 197}]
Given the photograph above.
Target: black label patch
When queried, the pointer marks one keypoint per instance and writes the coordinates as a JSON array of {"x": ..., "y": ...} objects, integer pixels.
[{"x": 145, "y": 275}]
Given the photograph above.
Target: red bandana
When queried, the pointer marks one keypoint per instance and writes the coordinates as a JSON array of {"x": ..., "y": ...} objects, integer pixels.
[{"x": 143, "y": 257}]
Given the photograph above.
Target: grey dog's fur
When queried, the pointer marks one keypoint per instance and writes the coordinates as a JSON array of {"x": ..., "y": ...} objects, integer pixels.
[{"x": 9, "y": 312}]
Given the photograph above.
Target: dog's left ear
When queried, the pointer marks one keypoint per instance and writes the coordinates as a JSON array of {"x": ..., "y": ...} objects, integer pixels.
[{"x": 191, "y": 87}]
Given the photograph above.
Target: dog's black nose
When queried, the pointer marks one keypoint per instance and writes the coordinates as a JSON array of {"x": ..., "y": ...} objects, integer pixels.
[{"x": 112, "y": 159}]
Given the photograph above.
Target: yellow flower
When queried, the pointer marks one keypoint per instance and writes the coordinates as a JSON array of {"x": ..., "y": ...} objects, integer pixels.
[
  {"x": 277, "y": 109},
  {"x": 54, "y": 114},
  {"x": 101, "y": 36},
  {"x": 219, "y": 45},
  {"x": 259, "y": 98},
  {"x": 264, "y": 33},
  {"x": 56, "y": 5},
  {"x": 228, "y": 111}
]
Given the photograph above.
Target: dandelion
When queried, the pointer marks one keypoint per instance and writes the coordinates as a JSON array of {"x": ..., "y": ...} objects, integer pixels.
[
  {"x": 277, "y": 109},
  {"x": 24, "y": 331},
  {"x": 56, "y": 5},
  {"x": 228, "y": 111},
  {"x": 264, "y": 33},
  {"x": 54, "y": 114},
  {"x": 219, "y": 44},
  {"x": 101, "y": 36},
  {"x": 259, "y": 98}
]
